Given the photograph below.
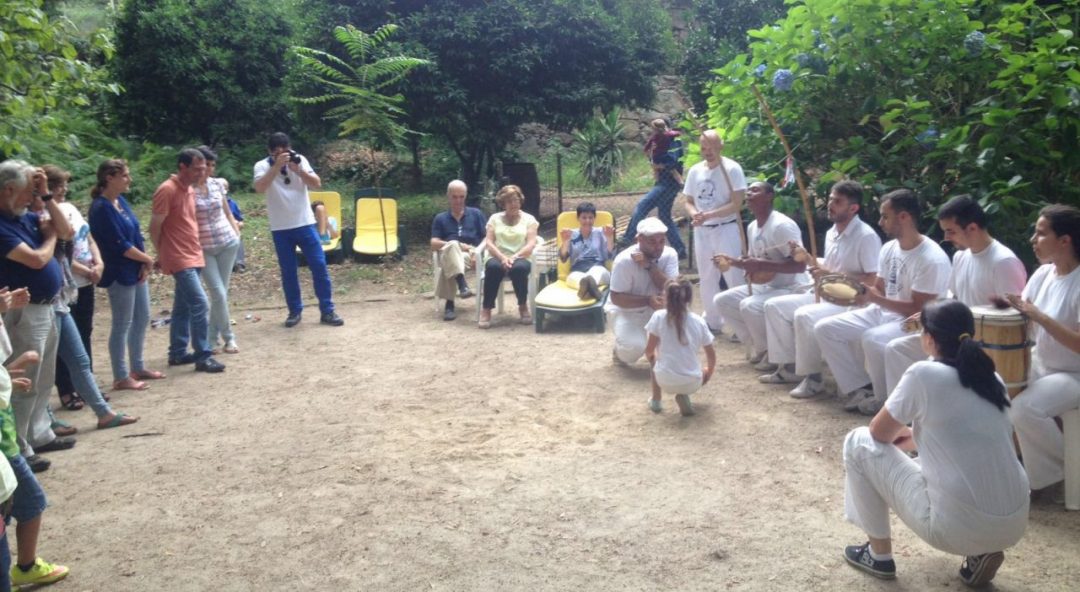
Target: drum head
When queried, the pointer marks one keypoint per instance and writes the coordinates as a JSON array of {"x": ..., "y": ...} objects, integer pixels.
[{"x": 989, "y": 315}]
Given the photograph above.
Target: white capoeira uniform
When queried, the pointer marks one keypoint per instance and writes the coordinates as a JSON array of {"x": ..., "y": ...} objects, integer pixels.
[
  {"x": 853, "y": 343},
  {"x": 790, "y": 319},
  {"x": 1054, "y": 382},
  {"x": 709, "y": 191},
  {"x": 628, "y": 277},
  {"x": 975, "y": 279},
  {"x": 745, "y": 312},
  {"x": 967, "y": 494}
]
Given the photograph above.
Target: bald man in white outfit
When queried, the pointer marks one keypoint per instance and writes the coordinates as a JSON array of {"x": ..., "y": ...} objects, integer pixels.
[
  {"x": 770, "y": 238},
  {"x": 983, "y": 270},
  {"x": 637, "y": 284},
  {"x": 714, "y": 191},
  {"x": 913, "y": 270},
  {"x": 852, "y": 248}
]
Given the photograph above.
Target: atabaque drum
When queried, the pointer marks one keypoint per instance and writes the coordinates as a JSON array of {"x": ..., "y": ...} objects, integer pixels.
[{"x": 1003, "y": 335}]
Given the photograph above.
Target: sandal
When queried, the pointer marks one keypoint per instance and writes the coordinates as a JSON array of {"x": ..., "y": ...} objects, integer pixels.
[
  {"x": 147, "y": 375},
  {"x": 130, "y": 384},
  {"x": 71, "y": 401},
  {"x": 120, "y": 419}
]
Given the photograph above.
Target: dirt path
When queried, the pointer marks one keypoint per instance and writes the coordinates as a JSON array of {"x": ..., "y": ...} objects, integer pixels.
[{"x": 401, "y": 452}]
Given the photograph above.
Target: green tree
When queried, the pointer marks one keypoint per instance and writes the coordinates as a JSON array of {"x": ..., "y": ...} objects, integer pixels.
[
  {"x": 206, "y": 69},
  {"x": 502, "y": 63},
  {"x": 354, "y": 88},
  {"x": 41, "y": 73}
]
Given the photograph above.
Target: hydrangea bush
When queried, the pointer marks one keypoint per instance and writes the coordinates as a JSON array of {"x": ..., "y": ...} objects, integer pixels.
[{"x": 947, "y": 97}]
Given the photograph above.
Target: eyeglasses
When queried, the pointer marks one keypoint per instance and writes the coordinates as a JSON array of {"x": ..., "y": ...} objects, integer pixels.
[{"x": 285, "y": 173}]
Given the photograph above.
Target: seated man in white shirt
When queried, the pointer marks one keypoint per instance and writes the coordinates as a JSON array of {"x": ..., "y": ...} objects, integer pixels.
[
  {"x": 852, "y": 248},
  {"x": 913, "y": 271},
  {"x": 983, "y": 272},
  {"x": 638, "y": 277},
  {"x": 769, "y": 267}
]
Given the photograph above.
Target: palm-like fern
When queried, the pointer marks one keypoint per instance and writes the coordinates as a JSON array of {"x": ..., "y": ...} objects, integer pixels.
[
  {"x": 354, "y": 88},
  {"x": 599, "y": 147}
]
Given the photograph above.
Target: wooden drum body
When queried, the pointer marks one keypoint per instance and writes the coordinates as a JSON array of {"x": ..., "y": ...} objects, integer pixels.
[{"x": 1003, "y": 335}]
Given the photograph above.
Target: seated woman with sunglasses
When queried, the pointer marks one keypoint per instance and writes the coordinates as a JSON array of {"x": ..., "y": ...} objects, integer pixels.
[{"x": 968, "y": 494}]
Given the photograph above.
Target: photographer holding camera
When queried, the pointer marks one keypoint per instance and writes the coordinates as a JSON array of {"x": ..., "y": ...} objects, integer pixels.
[{"x": 285, "y": 177}]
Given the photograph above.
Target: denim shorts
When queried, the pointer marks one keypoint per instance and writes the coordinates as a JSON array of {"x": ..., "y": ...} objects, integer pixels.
[{"x": 29, "y": 499}]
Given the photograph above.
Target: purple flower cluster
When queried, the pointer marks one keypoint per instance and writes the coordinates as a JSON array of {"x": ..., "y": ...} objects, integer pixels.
[{"x": 783, "y": 80}]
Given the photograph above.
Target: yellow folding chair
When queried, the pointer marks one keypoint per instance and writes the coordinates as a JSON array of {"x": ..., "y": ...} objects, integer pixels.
[
  {"x": 376, "y": 224},
  {"x": 559, "y": 299},
  {"x": 334, "y": 250}
]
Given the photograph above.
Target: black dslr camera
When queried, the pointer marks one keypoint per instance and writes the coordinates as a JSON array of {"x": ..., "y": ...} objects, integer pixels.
[{"x": 294, "y": 157}]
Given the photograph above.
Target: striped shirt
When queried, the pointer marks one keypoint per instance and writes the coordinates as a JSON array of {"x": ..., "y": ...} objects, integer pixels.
[{"x": 214, "y": 228}]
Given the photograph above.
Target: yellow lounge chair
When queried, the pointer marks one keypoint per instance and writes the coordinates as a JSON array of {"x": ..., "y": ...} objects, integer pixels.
[
  {"x": 334, "y": 250},
  {"x": 559, "y": 298},
  {"x": 377, "y": 223}
]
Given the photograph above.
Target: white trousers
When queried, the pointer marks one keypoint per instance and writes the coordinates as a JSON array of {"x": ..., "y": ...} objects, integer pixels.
[
  {"x": 853, "y": 344},
  {"x": 710, "y": 241},
  {"x": 630, "y": 335},
  {"x": 598, "y": 273},
  {"x": 453, "y": 261},
  {"x": 900, "y": 354},
  {"x": 677, "y": 383},
  {"x": 746, "y": 314},
  {"x": 881, "y": 476},
  {"x": 33, "y": 328},
  {"x": 1033, "y": 411},
  {"x": 789, "y": 323}
]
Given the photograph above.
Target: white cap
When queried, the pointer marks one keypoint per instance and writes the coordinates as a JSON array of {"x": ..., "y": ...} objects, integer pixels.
[{"x": 651, "y": 226}]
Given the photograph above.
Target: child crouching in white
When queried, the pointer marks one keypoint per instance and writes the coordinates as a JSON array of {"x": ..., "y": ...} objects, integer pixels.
[{"x": 675, "y": 336}]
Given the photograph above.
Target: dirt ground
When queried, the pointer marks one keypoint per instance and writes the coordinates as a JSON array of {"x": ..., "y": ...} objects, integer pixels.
[{"x": 402, "y": 452}]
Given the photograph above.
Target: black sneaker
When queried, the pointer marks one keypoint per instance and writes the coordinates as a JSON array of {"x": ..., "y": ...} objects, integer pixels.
[
  {"x": 332, "y": 319},
  {"x": 449, "y": 314},
  {"x": 209, "y": 365},
  {"x": 58, "y": 443},
  {"x": 188, "y": 358},
  {"x": 978, "y": 570},
  {"x": 293, "y": 319},
  {"x": 38, "y": 463},
  {"x": 859, "y": 556}
]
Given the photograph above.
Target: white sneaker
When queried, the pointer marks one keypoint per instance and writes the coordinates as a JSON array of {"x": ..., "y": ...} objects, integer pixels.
[
  {"x": 764, "y": 365},
  {"x": 857, "y": 397},
  {"x": 808, "y": 388},
  {"x": 781, "y": 376}
]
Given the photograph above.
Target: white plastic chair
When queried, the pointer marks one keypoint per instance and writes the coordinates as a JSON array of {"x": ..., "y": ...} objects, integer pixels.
[{"x": 1070, "y": 421}]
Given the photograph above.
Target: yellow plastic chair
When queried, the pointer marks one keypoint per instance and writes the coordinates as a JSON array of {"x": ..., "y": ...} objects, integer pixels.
[
  {"x": 376, "y": 224},
  {"x": 334, "y": 250},
  {"x": 559, "y": 299}
]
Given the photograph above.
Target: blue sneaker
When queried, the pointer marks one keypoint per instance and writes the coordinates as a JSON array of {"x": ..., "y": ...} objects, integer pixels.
[{"x": 859, "y": 556}]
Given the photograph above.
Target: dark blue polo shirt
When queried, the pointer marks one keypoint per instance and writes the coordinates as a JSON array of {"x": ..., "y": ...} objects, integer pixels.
[
  {"x": 471, "y": 230},
  {"x": 43, "y": 283}
]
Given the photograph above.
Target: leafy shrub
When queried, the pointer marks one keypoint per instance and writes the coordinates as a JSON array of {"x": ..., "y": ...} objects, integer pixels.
[
  {"x": 353, "y": 162},
  {"x": 599, "y": 148}
]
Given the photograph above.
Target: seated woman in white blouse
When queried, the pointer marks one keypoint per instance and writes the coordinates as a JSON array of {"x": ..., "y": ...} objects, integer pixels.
[
  {"x": 968, "y": 494},
  {"x": 1051, "y": 301}
]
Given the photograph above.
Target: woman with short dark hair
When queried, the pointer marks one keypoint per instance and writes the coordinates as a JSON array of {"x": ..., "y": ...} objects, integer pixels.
[{"x": 588, "y": 253}]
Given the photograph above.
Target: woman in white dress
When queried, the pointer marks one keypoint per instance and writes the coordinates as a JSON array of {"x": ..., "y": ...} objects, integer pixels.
[{"x": 968, "y": 494}]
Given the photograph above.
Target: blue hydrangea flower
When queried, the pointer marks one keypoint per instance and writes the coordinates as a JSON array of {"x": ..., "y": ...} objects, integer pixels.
[
  {"x": 927, "y": 138},
  {"x": 783, "y": 79},
  {"x": 802, "y": 59},
  {"x": 760, "y": 70},
  {"x": 975, "y": 43}
]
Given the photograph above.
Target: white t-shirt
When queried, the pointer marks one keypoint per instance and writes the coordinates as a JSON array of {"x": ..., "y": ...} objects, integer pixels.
[
  {"x": 965, "y": 443},
  {"x": 673, "y": 356},
  {"x": 709, "y": 189},
  {"x": 287, "y": 204},
  {"x": 771, "y": 242},
  {"x": 854, "y": 251},
  {"x": 628, "y": 277},
  {"x": 994, "y": 271},
  {"x": 1059, "y": 298},
  {"x": 81, "y": 242},
  {"x": 924, "y": 269}
]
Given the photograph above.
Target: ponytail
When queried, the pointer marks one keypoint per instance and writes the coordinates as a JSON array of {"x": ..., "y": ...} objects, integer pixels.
[
  {"x": 951, "y": 325},
  {"x": 106, "y": 169},
  {"x": 677, "y": 297}
]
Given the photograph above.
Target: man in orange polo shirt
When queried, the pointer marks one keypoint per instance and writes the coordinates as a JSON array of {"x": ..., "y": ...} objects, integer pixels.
[{"x": 175, "y": 234}]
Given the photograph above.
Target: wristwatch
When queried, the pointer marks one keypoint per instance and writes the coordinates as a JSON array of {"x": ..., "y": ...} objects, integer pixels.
[{"x": 45, "y": 196}]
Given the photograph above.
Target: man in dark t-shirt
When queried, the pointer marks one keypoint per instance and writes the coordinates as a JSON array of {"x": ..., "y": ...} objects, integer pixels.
[{"x": 455, "y": 234}]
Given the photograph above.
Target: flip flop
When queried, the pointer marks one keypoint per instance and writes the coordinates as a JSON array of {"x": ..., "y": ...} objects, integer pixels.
[
  {"x": 130, "y": 384},
  {"x": 148, "y": 375},
  {"x": 121, "y": 419}
]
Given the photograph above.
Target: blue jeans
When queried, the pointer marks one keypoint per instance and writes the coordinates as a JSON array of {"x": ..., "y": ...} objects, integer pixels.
[
  {"x": 130, "y": 315},
  {"x": 190, "y": 321},
  {"x": 217, "y": 273},
  {"x": 661, "y": 197},
  {"x": 70, "y": 349},
  {"x": 307, "y": 238}
]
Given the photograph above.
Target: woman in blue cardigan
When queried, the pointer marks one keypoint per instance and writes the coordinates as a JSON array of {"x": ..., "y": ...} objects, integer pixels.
[{"x": 127, "y": 267}]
